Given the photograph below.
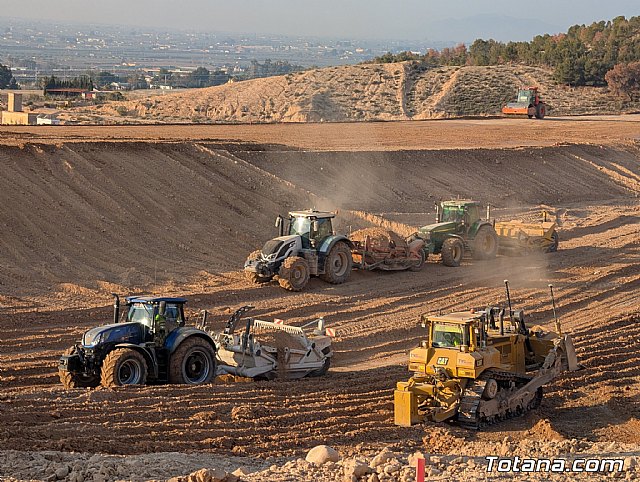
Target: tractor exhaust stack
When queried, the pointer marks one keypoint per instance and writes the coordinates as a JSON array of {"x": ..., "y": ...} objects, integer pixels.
[{"x": 116, "y": 307}]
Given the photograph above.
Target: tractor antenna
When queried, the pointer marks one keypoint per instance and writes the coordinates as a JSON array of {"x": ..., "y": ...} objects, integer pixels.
[
  {"x": 506, "y": 285},
  {"x": 555, "y": 316}
]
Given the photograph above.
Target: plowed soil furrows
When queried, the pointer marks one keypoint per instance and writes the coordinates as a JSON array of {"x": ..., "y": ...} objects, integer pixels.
[{"x": 85, "y": 219}]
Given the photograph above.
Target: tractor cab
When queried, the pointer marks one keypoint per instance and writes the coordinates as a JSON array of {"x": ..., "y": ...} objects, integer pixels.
[
  {"x": 158, "y": 314},
  {"x": 312, "y": 226},
  {"x": 463, "y": 213}
]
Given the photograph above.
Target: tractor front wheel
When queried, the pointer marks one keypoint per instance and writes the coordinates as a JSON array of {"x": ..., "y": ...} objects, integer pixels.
[
  {"x": 252, "y": 276},
  {"x": 193, "y": 362},
  {"x": 485, "y": 243},
  {"x": 452, "y": 252},
  {"x": 294, "y": 273},
  {"x": 338, "y": 264},
  {"x": 77, "y": 380},
  {"x": 124, "y": 366}
]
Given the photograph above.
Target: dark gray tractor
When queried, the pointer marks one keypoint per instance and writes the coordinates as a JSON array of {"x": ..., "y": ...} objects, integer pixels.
[
  {"x": 306, "y": 246},
  {"x": 151, "y": 344}
]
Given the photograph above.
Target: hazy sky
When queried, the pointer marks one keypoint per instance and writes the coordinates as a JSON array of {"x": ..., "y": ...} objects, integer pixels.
[{"x": 403, "y": 19}]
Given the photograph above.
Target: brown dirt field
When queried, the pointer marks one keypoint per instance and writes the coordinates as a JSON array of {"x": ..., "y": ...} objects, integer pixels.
[
  {"x": 357, "y": 136},
  {"x": 83, "y": 218}
]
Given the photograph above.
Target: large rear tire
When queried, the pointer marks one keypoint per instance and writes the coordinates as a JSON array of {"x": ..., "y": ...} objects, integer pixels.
[
  {"x": 294, "y": 273},
  {"x": 124, "y": 366},
  {"x": 338, "y": 264},
  {"x": 541, "y": 111},
  {"x": 193, "y": 362},
  {"x": 452, "y": 252},
  {"x": 77, "y": 380},
  {"x": 485, "y": 243}
]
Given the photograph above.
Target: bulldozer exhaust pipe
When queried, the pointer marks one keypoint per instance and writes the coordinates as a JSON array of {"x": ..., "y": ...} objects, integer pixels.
[
  {"x": 116, "y": 307},
  {"x": 555, "y": 315},
  {"x": 506, "y": 285}
]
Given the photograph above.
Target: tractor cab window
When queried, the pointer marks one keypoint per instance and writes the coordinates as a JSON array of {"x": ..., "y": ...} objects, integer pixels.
[
  {"x": 172, "y": 313},
  {"x": 473, "y": 214},
  {"x": 324, "y": 229},
  {"x": 300, "y": 226},
  {"x": 452, "y": 214},
  {"x": 447, "y": 335},
  {"x": 141, "y": 313}
]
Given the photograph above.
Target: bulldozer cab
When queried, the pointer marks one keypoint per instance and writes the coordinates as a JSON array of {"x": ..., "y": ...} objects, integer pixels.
[{"x": 311, "y": 226}]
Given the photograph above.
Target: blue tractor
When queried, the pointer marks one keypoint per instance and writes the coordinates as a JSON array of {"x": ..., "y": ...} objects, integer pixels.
[{"x": 151, "y": 344}]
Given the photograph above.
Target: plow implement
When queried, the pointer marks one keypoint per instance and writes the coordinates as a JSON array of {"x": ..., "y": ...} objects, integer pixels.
[
  {"x": 519, "y": 238},
  {"x": 377, "y": 248},
  {"x": 268, "y": 350}
]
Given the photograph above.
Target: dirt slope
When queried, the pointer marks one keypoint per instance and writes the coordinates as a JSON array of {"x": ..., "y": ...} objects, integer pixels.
[
  {"x": 398, "y": 91},
  {"x": 104, "y": 215}
]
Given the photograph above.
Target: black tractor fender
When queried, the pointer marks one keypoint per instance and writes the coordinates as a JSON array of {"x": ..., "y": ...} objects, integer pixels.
[
  {"x": 149, "y": 356},
  {"x": 176, "y": 337}
]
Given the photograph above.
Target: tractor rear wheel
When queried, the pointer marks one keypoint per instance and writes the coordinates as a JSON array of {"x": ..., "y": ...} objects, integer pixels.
[
  {"x": 193, "y": 362},
  {"x": 541, "y": 111},
  {"x": 420, "y": 264},
  {"x": 338, "y": 264},
  {"x": 124, "y": 366},
  {"x": 294, "y": 273},
  {"x": 485, "y": 243},
  {"x": 452, "y": 252},
  {"x": 77, "y": 380}
]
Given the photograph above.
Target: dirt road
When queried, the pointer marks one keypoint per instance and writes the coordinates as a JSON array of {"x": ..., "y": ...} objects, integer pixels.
[{"x": 359, "y": 136}]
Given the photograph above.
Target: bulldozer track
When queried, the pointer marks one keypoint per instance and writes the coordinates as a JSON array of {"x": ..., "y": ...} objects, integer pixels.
[{"x": 468, "y": 415}]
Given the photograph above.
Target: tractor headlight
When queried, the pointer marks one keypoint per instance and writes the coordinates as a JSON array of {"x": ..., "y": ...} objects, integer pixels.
[{"x": 92, "y": 340}]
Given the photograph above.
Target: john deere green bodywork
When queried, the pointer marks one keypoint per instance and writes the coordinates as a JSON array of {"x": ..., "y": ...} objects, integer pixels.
[{"x": 457, "y": 227}]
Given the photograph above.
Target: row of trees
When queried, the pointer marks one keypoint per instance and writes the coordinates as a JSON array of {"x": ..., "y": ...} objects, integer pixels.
[
  {"x": 53, "y": 82},
  {"x": 7, "y": 81},
  {"x": 582, "y": 56}
]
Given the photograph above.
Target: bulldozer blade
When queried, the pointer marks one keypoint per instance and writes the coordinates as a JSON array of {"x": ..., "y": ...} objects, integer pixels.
[{"x": 572, "y": 358}]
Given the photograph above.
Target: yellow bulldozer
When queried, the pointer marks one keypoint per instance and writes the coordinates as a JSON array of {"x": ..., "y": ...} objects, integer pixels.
[{"x": 481, "y": 367}]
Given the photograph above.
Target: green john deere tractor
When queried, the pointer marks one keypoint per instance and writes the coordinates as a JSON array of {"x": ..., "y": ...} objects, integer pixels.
[{"x": 459, "y": 229}]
